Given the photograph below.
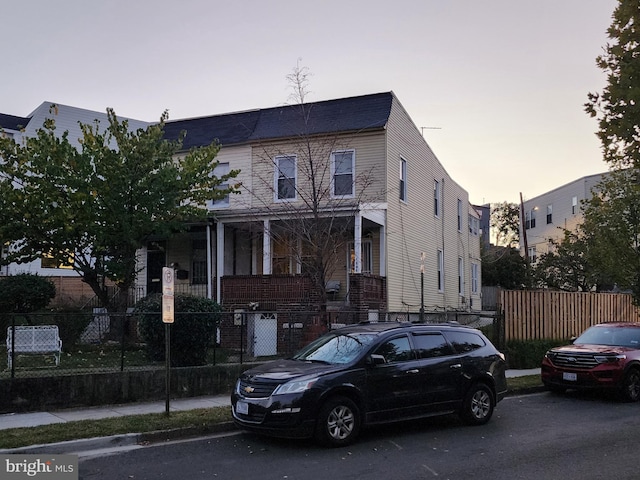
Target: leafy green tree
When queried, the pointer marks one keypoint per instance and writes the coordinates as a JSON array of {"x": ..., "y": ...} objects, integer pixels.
[
  {"x": 93, "y": 208},
  {"x": 505, "y": 222},
  {"x": 617, "y": 107},
  {"x": 504, "y": 267},
  {"x": 568, "y": 266},
  {"x": 612, "y": 222}
]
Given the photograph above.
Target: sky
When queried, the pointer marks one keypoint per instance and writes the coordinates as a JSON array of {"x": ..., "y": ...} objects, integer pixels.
[{"x": 498, "y": 85}]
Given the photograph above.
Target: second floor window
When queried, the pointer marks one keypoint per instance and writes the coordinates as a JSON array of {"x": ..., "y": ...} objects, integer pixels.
[
  {"x": 574, "y": 205},
  {"x": 342, "y": 168},
  {"x": 285, "y": 177},
  {"x": 549, "y": 213},
  {"x": 437, "y": 196},
  {"x": 403, "y": 180},
  {"x": 459, "y": 215},
  {"x": 220, "y": 170}
]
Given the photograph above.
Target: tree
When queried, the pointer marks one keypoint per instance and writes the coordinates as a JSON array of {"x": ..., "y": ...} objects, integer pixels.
[
  {"x": 505, "y": 221},
  {"x": 617, "y": 107},
  {"x": 504, "y": 267},
  {"x": 568, "y": 266},
  {"x": 93, "y": 208},
  {"x": 612, "y": 223},
  {"x": 309, "y": 230}
]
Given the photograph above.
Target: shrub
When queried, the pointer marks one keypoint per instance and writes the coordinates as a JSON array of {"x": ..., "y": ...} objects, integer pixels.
[
  {"x": 192, "y": 332},
  {"x": 524, "y": 354},
  {"x": 25, "y": 293}
]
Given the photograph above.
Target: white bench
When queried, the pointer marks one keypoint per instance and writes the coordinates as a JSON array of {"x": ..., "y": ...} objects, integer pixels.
[{"x": 34, "y": 339}]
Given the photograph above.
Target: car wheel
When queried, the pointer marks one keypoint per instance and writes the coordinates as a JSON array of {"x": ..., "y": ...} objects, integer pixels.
[
  {"x": 631, "y": 386},
  {"x": 478, "y": 404},
  {"x": 338, "y": 422}
]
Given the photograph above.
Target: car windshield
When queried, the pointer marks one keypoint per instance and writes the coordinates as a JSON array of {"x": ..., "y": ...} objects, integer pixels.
[
  {"x": 336, "y": 348},
  {"x": 612, "y": 336}
]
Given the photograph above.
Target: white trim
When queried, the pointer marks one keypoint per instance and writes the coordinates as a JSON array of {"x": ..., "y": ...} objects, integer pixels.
[
  {"x": 333, "y": 173},
  {"x": 276, "y": 178}
]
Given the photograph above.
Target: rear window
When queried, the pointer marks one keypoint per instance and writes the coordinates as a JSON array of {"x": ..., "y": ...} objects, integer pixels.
[{"x": 465, "y": 341}]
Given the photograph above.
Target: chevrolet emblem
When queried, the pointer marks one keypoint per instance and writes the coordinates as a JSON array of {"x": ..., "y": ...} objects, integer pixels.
[{"x": 249, "y": 389}]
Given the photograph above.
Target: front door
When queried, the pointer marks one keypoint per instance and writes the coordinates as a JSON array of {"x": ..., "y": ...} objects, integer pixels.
[{"x": 156, "y": 259}]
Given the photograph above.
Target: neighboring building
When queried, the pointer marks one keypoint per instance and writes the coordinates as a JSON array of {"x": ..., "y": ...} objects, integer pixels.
[
  {"x": 548, "y": 215},
  {"x": 484, "y": 214},
  {"x": 414, "y": 213},
  {"x": 67, "y": 119}
]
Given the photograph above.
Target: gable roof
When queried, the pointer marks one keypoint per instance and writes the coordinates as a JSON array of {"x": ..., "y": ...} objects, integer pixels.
[{"x": 365, "y": 112}]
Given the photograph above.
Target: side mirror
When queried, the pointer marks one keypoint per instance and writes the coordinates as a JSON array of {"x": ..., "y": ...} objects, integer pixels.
[{"x": 376, "y": 359}]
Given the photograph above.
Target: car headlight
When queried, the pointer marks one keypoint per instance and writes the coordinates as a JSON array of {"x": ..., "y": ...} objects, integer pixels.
[
  {"x": 609, "y": 358},
  {"x": 295, "y": 386}
]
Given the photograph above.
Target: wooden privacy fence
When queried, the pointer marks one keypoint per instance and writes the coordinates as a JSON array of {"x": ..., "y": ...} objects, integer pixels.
[{"x": 554, "y": 315}]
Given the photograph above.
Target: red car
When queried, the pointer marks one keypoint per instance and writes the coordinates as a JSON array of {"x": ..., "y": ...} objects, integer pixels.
[{"x": 605, "y": 356}]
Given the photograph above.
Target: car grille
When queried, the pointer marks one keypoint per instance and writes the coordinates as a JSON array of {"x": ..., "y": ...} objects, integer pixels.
[
  {"x": 573, "y": 360},
  {"x": 256, "y": 390}
]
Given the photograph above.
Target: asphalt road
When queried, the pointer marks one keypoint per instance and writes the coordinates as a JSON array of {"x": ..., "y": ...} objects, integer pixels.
[{"x": 532, "y": 437}]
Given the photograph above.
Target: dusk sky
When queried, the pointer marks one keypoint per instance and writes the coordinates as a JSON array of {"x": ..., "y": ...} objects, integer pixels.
[{"x": 500, "y": 84}]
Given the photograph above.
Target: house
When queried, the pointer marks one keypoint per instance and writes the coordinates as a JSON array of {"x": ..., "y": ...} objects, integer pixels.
[
  {"x": 405, "y": 235},
  {"x": 548, "y": 215},
  {"x": 67, "y": 118}
]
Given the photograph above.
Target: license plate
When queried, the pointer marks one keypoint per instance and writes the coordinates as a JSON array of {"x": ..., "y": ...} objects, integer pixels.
[
  {"x": 242, "y": 408},
  {"x": 570, "y": 377}
]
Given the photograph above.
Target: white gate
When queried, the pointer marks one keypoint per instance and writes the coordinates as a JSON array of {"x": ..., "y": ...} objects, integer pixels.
[{"x": 262, "y": 335}]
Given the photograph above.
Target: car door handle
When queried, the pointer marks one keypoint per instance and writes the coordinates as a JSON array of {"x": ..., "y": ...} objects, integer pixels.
[
  {"x": 456, "y": 366},
  {"x": 413, "y": 371}
]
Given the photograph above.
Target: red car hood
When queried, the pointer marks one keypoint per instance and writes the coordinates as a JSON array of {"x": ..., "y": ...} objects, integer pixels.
[{"x": 592, "y": 349}]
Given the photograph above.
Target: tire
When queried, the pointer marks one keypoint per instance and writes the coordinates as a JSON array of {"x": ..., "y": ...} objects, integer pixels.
[
  {"x": 339, "y": 422},
  {"x": 478, "y": 405},
  {"x": 630, "y": 390}
]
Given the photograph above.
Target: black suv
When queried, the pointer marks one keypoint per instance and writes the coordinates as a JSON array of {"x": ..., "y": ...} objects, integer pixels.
[{"x": 372, "y": 373}]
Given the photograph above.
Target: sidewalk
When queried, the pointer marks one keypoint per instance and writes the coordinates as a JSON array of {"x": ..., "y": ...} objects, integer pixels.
[{"x": 34, "y": 419}]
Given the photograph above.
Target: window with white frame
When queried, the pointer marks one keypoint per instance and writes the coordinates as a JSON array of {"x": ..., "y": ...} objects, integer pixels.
[
  {"x": 574, "y": 205},
  {"x": 342, "y": 172},
  {"x": 220, "y": 170},
  {"x": 437, "y": 195},
  {"x": 460, "y": 276},
  {"x": 440, "y": 270},
  {"x": 403, "y": 179},
  {"x": 549, "y": 214},
  {"x": 366, "y": 260},
  {"x": 285, "y": 177},
  {"x": 459, "y": 215},
  {"x": 532, "y": 254},
  {"x": 474, "y": 277}
]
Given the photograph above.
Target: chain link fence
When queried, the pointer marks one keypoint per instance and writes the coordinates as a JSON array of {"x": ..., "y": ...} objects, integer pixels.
[{"x": 69, "y": 343}]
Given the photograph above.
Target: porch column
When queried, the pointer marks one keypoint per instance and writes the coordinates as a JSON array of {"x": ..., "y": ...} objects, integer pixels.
[
  {"x": 357, "y": 243},
  {"x": 383, "y": 251},
  {"x": 209, "y": 263},
  {"x": 219, "y": 259},
  {"x": 266, "y": 248}
]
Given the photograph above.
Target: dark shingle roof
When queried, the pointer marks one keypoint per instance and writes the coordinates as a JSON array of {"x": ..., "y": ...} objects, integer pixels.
[
  {"x": 11, "y": 122},
  {"x": 342, "y": 115}
]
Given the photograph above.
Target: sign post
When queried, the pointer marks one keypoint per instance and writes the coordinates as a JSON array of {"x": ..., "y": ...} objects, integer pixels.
[{"x": 168, "y": 314}]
